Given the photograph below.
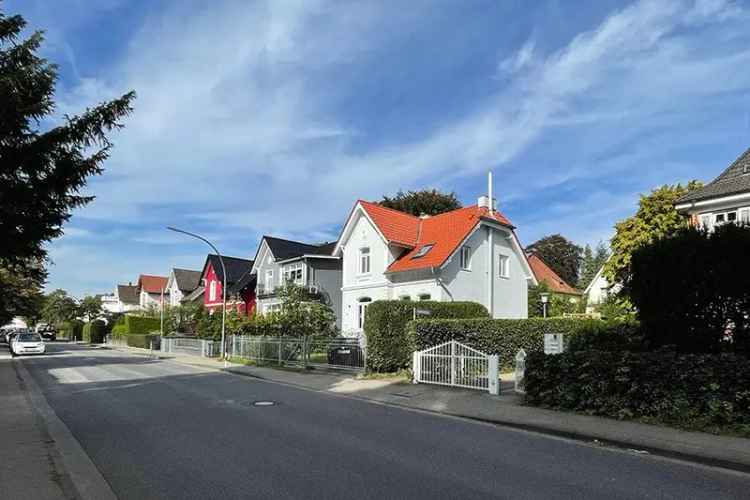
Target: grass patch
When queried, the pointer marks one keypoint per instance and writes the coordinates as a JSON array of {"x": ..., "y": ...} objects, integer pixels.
[{"x": 404, "y": 375}]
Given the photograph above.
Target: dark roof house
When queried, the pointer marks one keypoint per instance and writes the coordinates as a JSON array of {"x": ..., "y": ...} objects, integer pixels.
[
  {"x": 235, "y": 266},
  {"x": 128, "y": 294},
  {"x": 186, "y": 280},
  {"x": 735, "y": 179}
]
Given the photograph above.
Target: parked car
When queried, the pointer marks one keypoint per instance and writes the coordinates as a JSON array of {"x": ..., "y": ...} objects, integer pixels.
[
  {"x": 27, "y": 343},
  {"x": 47, "y": 331}
]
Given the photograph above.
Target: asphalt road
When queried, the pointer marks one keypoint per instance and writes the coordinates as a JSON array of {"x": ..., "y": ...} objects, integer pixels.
[{"x": 157, "y": 429}]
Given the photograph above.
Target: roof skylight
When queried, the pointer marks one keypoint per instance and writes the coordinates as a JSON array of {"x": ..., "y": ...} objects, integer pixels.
[{"x": 423, "y": 251}]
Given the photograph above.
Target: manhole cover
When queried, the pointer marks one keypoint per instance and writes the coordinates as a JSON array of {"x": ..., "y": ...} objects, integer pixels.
[{"x": 264, "y": 403}]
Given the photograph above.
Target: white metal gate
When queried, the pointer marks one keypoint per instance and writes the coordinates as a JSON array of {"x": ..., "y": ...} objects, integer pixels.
[{"x": 458, "y": 365}]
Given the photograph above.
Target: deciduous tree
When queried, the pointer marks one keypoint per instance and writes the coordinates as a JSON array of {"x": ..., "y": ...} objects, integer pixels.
[
  {"x": 427, "y": 201},
  {"x": 561, "y": 255}
]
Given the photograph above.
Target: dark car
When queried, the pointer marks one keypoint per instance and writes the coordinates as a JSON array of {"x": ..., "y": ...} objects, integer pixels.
[{"x": 48, "y": 333}]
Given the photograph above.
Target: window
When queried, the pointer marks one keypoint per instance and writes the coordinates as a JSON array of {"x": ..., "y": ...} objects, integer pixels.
[
  {"x": 466, "y": 258},
  {"x": 424, "y": 296},
  {"x": 364, "y": 260},
  {"x": 293, "y": 273},
  {"x": 269, "y": 280},
  {"x": 423, "y": 251},
  {"x": 503, "y": 266},
  {"x": 404, "y": 297},
  {"x": 212, "y": 291},
  {"x": 361, "y": 310},
  {"x": 725, "y": 217},
  {"x": 706, "y": 221},
  {"x": 745, "y": 216}
]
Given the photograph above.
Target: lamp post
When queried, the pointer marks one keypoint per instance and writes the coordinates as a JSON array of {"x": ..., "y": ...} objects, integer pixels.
[
  {"x": 545, "y": 299},
  {"x": 223, "y": 287}
]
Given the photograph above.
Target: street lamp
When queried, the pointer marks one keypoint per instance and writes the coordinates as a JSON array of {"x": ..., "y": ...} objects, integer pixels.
[
  {"x": 223, "y": 287},
  {"x": 545, "y": 298}
]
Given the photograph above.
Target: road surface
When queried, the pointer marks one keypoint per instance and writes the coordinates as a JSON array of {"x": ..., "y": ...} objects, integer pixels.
[{"x": 158, "y": 429}]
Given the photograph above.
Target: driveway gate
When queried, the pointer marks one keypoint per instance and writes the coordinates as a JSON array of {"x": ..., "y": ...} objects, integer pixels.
[{"x": 458, "y": 365}]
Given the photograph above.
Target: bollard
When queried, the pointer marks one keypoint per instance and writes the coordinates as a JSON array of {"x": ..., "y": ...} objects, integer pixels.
[{"x": 493, "y": 374}]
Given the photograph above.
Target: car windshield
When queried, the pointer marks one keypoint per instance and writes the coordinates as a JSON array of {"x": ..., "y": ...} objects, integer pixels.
[{"x": 29, "y": 337}]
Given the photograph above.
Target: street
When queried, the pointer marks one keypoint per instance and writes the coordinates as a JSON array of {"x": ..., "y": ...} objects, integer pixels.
[{"x": 158, "y": 429}]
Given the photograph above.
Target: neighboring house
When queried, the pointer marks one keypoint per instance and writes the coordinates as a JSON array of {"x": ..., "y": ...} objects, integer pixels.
[
  {"x": 240, "y": 284},
  {"x": 123, "y": 300},
  {"x": 598, "y": 291},
  {"x": 181, "y": 282},
  {"x": 545, "y": 274},
  {"x": 313, "y": 267},
  {"x": 724, "y": 200},
  {"x": 468, "y": 254},
  {"x": 151, "y": 290}
]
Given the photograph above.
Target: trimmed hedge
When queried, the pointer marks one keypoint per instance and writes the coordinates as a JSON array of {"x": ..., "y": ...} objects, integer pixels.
[
  {"x": 694, "y": 391},
  {"x": 505, "y": 337},
  {"x": 389, "y": 347},
  {"x": 71, "y": 330},
  {"x": 135, "y": 325},
  {"x": 94, "y": 332},
  {"x": 144, "y": 340}
]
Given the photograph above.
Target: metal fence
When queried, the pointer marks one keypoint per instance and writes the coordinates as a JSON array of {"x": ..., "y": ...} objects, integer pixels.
[
  {"x": 455, "y": 364},
  {"x": 336, "y": 353},
  {"x": 115, "y": 341},
  {"x": 190, "y": 346}
]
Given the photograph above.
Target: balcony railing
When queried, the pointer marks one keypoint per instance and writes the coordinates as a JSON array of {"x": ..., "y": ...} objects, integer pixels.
[{"x": 272, "y": 290}]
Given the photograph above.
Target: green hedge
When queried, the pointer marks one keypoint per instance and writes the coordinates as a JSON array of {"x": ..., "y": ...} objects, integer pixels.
[
  {"x": 135, "y": 325},
  {"x": 389, "y": 347},
  {"x": 94, "y": 332},
  {"x": 699, "y": 391},
  {"x": 505, "y": 337},
  {"x": 71, "y": 330},
  {"x": 143, "y": 340}
]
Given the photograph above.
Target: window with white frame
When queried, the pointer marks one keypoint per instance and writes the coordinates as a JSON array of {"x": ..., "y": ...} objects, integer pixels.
[
  {"x": 725, "y": 217},
  {"x": 745, "y": 216},
  {"x": 293, "y": 273},
  {"x": 212, "y": 291},
  {"x": 706, "y": 221},
  {"x": 269, "y": 280},
  {"x": 466, "y": 258},
  {"x": 503, "y": 266},
  {"x": 361, "y": 310},
  {"x": 364, "y": 260}
]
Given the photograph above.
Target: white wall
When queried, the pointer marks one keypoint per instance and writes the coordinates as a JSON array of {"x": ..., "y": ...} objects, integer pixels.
[{"x": 363, "y": 235}]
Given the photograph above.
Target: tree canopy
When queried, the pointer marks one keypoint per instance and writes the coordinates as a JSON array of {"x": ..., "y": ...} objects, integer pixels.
[
  {"x": 656, "y": 218},
  {"x": 426, "y": 201},
  {"x": 43, "y": 170},
  {"x": 90, "y": 307},
  {"x": 561, "y": 255},
  {"x": 59, "y": 307},
  {"x": 592, "y": 261}
]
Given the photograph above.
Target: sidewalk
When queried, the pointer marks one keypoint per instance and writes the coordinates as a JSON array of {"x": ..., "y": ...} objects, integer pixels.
[{"x": 508, "y": 410}]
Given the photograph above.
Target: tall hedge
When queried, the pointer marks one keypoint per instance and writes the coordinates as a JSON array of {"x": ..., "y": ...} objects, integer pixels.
[
  {"x": 505, "y": 337},
  {"x": 135, "y": 325},
  {"x": 389, "y": 347},
  {"x": 71, "y": 330},
  {"x": 144, "y": 341},
  {"x": 698, "y": 391},
  {"x": 94, "y": 332}
]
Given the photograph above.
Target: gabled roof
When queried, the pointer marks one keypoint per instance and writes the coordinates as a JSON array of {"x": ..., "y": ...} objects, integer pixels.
[
  {"x": 734, "y": 180},
  {"x": 186, "y": 280},
  {"x": 395, "y": 226},
  {"x": 247, "y": 280},
  {"x": 236, "y": 267},
  {"x": 545, "y": 274},
  {"x": 194, "y": 295},
  {"x": 287, "y": 249},
  {"x": 152, "y": 284},
  {"x": 128, "y": 294}
]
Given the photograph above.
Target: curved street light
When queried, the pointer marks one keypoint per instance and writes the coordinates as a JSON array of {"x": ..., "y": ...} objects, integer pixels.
[{"x": 223, "y": 287}]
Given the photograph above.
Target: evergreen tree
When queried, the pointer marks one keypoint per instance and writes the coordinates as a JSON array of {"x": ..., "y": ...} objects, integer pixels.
[
  {"x": 427, "y": 201},
  {"x": 593, "y": 260}
]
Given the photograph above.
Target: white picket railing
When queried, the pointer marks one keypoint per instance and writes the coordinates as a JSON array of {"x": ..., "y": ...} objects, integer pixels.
[
  {"x": 190, "y": 346},
  {"x": 457, "y": 365}
]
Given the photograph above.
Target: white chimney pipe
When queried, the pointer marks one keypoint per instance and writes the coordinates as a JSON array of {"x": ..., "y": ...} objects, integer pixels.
[{"x": 489, "y": 192}]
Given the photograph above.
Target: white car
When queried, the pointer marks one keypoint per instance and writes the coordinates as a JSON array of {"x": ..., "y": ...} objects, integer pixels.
[{"x": 27, "y": 343}]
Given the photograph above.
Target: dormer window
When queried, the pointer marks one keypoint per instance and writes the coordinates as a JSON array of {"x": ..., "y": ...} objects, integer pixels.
[{"x": 423, "y": 251}]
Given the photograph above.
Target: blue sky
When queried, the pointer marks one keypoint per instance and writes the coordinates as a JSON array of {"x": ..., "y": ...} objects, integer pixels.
[{"x": 274, "y": 117}]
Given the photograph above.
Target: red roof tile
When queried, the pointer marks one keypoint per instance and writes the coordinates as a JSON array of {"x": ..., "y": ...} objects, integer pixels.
[
  {"x": 152, "y": 284},
  {"x": 544, "y": 274},
  {"x": 444, "y": 232}
]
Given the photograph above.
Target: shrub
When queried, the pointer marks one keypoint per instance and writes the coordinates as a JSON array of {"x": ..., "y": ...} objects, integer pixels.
[
  {"x": 135, "y": 325},
  {"x": 389, "y": 347},
  {"x": 71, "y": 330},
  {"x": 144, "y": 340},
  {"x": 694, "y": 391},
  {"x": 505, "y": 337},
  {"x": 94, "y": 332}
]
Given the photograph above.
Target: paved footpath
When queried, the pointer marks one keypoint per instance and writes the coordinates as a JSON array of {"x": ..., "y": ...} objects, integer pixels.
[{"x": 162, "y": 429}]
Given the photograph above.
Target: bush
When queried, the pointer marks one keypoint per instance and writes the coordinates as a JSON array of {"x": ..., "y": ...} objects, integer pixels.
[
  {"x": 505, "y": 337},
  {"x": 389, "y": 347},
  {"x": 94, "y": 332},
  {"x": 135, "y": 325},
  {"x": 71, "y": 330},
  {"x": 694, "y": 391},
  {"x": 144, "y": 340}
]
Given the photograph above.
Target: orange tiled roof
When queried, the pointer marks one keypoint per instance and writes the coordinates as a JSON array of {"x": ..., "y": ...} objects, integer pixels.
[
  {"x": 544, "y": 274},
  {"x": 152, "y": 284},
  {"x": 444, "y": 231}
]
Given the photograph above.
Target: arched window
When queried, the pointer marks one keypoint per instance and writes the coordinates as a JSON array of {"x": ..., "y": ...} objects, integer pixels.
[{"x": 361, "y": 309}]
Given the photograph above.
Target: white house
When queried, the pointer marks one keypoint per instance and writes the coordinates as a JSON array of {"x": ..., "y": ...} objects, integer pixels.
[
  {"x": 469, "y": 254},
  {"x": 123, "y": 300},
  {"x": 181, "y": 282},
  {"x": 598, "y": 290},
  {"x": 724, "y": 200},
  {"x": 151, "y": 289}
]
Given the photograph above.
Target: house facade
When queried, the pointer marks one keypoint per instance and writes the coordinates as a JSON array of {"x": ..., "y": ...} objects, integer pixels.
[
  {"x": 724, "y": 200},
  {"x": 240, "y": 284},
  {"x": 124, "y": 299},
  {"x": 151, "y": 290},
  {"x": 557, "y": 285},
  {"x": 469, "y": 254},
  {"x": 313, "y": 267},
  {"x": 181, "y": 283}
]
